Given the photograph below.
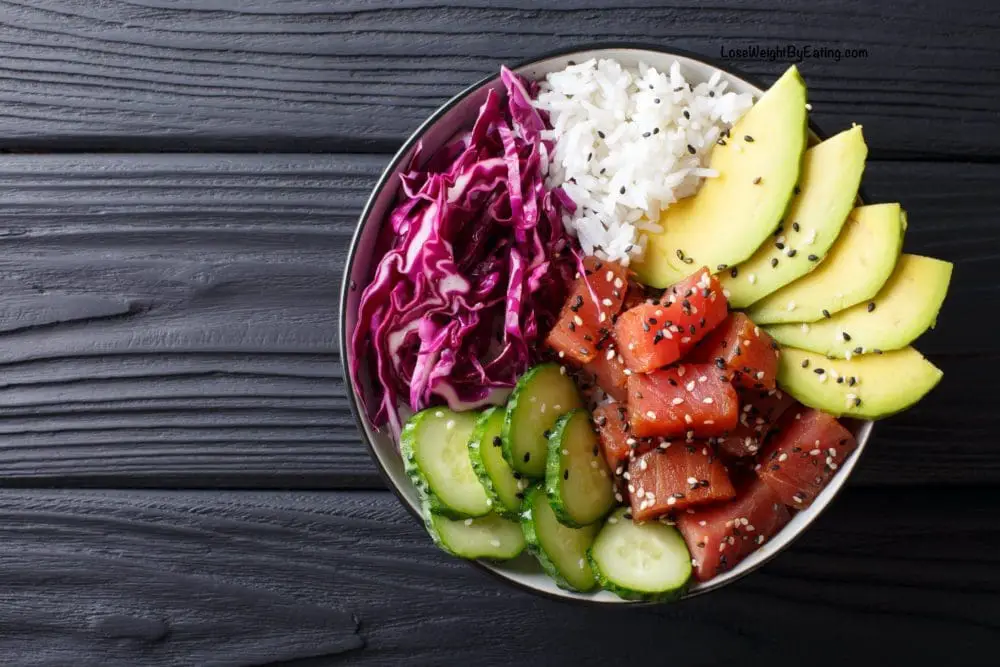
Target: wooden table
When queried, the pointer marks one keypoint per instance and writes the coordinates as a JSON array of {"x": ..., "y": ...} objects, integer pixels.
[{"x": 182, "y": 481}]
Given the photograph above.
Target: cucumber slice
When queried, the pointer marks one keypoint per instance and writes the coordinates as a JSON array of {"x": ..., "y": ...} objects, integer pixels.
[
  {"x": 434, "y": 444},
  {"x": 577, "y": 479},
  {"x": 503, "y": 485},
  {"x": 490, "y": 536},
  {"x": 640, "y": 560},
  {"x": 541, "y": 396},
  {"x": 561, "y": 550}
]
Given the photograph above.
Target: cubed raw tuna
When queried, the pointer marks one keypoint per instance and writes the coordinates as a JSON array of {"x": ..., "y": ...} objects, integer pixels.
[
  {"x": 744, "y": 350},
  {"x": 805, "y": 452},
  {"x": 689, "y": 401},
  {"x": 720, "y": 536},
  {"x": 682, "y": 475}
]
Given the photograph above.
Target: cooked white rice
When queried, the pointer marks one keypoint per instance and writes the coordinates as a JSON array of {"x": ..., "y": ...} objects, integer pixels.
[{"x": 650, "y": 122}]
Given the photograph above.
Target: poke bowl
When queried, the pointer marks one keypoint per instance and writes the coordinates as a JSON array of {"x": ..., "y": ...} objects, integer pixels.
[{"x": 826, "y": 356}]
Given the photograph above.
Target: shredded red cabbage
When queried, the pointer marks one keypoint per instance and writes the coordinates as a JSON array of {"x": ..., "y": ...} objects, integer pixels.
[{"x": 477, "y": 267}]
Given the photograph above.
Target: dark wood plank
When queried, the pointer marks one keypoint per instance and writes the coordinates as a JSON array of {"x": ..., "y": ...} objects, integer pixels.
[
  {"x": 171, "y": 321},
  {"x": 124, "y": 578},
  {"x": 305, "y": 75}
]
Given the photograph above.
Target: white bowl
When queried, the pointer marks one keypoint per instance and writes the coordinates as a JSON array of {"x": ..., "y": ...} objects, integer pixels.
[{"x": 458, "y": 113}]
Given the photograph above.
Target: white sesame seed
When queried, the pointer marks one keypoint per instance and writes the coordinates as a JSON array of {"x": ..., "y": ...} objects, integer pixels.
[
  {"x": 562, "y": 370},
  {"x": 651, "y": 414},
  {"x": 613, "y": 520},
  {"x": 791, "y": 305},
  {"x": 814, "y": 452},
  {"x": 677, "y": 401},
  {"x": 593, "y": 463},
  {"x": 606, "y": 302},
  {"x": 760, "y": 375},
  {"x": 468, "y": 522},
  {"x": 731, "y": 540},
  {"x": 833, "y": 466},
  {"x": 450, "y": 424},
  {"x": 805, "y": 328},
  {"x": 848, "y": 355},
  {"x": 579, "y": 563},
  {"x": 627, "y": 372},
  {"x": 561, "y": 354},
  {"x": 603, "y": 316},
  {"x": 703, "y": 378},
  {"x": 747, "y": 408},
  {"x": 783, "y": 457},
  {"x": 722, "y": 545},
  {"x": 658, "y": 312},
  {"x": 542, "y": 408},
  {"x": 685, "y": 339},
  {"x": 642, "y": 464},
  {"x": 565, "y": 452},
  {"x": 702, "y": 523},
  {"x": 689, "y": 436},
  {"x": 618, "y": 283},
  {"x": 631, "y": 489},
  {"x": 692, "y": 480},
  {"x": 651, "y": 497},
  {"x": 707, "y": 400},
  {"x": 809, "y": 107},
  {"x": 780, "y": 239},
  {"x": 708, "y": 422},
  {"x": 631, "y": 346},
  {"x": 832, "y": 451},
  {"x": 750, "y": 528},
  {"x": 627, "y": 477},
  {"x": 671, "y": 500},
  {"x": 760, "y": 539},
  {"x": 495, "y": 543},
  {"x": 557, "y": 407},
  {"x": 609, "y": 276},
  {"x": 610, "y": 354},
  {"x": 752, "y": 278},
  {"x": 689, "y": 386},
  {"x": 797, "y": 498},
  {"x": 688, "y": 419},
  {"x": 578, "y": 320},
  {"x": 664, "y": 445},
  {"x": 681, "y": 371},
  {"x": 439, "y": 414}
]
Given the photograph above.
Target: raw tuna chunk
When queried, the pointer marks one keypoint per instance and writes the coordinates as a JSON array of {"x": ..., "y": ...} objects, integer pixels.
[
  {"x": 803, "y": 455},
  {"x": 655, "y": 335},
  {"x": 744, "y": 350},
  {"x": 759, "y": 410},
  {"x": 720, "y": 536},
  {"x": 681, "y": 475},
  {"x": 689, "y": 400}
]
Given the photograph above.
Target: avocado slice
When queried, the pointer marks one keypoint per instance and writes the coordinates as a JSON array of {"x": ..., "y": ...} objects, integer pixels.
[
  {"x": 758, "y": 165},
  {"x": 831, "y": 174},
  {"x": 854, "y": 270},
  {"x": 872, "y": 386},
  {"x": 905, "y": 307}
]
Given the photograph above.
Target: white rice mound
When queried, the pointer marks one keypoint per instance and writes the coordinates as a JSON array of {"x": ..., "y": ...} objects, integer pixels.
[{"x": 643, "y": 163}]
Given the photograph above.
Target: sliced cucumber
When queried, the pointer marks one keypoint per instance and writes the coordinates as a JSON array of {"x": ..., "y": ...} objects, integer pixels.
[
  {"x": 503, "y": 485},
  {"x": 490, "y": 536},
  {"x": 640, "y": 560},
  {"x": 541, "y": 396},
  {"x": 435, "y": 448},
  {"x": 577, "y": 479},
  {"x": 561, "y": 550}
]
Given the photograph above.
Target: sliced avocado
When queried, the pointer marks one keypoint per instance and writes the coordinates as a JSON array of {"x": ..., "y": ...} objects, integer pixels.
[
  {"x": 831, "y": 174},
  {"x": 758, "y": 165},
  {"x": 854, "y": 270},
  {"x": 871, "y": 386},
  {"x": 905, "y": 307}
]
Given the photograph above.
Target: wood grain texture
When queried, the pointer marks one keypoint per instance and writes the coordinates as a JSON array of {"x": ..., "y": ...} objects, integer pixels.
[
  {"x": 316, "y": 75},
  {"x": 171, "y": 321},
  {"x": 115, "y": 578}
]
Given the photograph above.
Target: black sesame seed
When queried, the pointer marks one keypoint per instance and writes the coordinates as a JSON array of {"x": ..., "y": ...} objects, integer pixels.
[
  {"x": 657, "y": 100},
  {"x": 721, "y": 267},
  {"x": 600, "y": 134},
  {"x": 851, "y": 381},
  {"x": 757, "y": 180},
  {"x": 527, "y": 456},
  {"x": 622, "y": 191},
  {"x": 628, "y": 515},
  {"x": 774, "y": 262},
  {"x": 497, "y": 441},
  {"x": 546, "y": 433},
  {"x": 795, "y": 226},
  {"x": 519, "y": 495},
  {"x": 517, "y": 475},
  {"x": 687, "y": 115},
  {"x": 566, "y": 473},
  {"x": 779, "y": 246},
  {"x": 721, "y": 142},
  {"x": 826, "y": 313},
  {"x": 680, "y": 254},
  {"x": 734, "y": 272},
  {"x": 840, "y": 380},
  {"x": 857, "y": 402},
  {"x": 645, "y": 327},
  {"x": 847, "y": 336},
  {"x": 818, "y": 371},
  {"x": 792, "y": 252},
  {"x": 805, "y": 363},
  {"x": 646, "y": 135},
  {"x": 871, "y": 306},
  {"x": 692, "y": 329},
  {"x": 813, "y": 258},
  {"x": 656, "y": 130},
  {"x": 796, "y": 190},
  {"x": 877, "y": 351},
  {"x": 691, "y": 149},
  {"x": 720, "y": 363},
  {"x": 748, "y": 139},
  {"x": 701, "y": 323},
  {"x": 672, "y": 382}
]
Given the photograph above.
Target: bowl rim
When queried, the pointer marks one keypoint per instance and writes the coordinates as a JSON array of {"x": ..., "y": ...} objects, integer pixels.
[{"x": 346, "y": 288}]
